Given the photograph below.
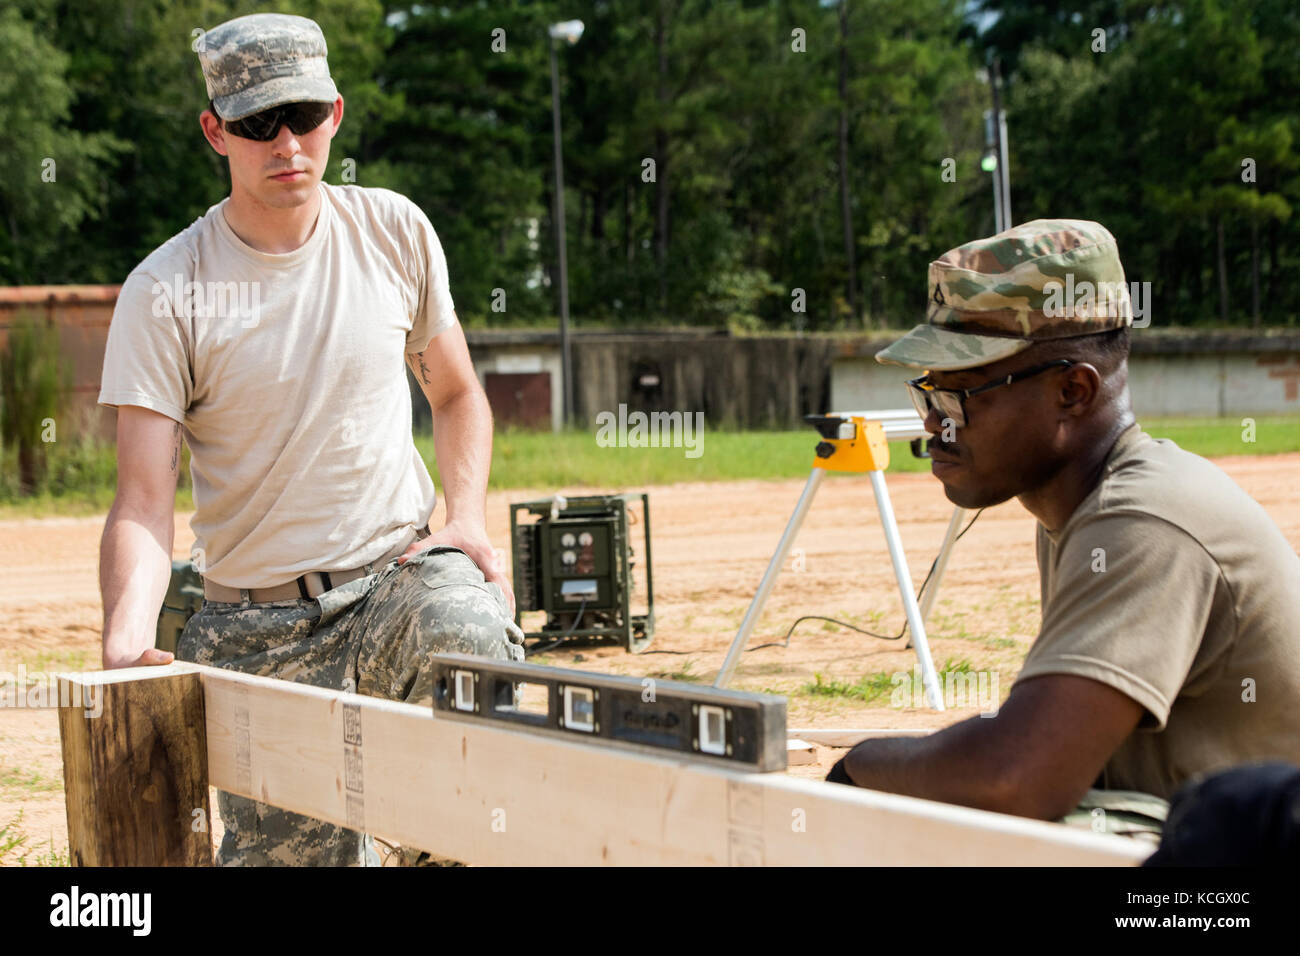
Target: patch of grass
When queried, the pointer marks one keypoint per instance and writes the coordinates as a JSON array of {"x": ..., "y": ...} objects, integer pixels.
[
  {"x": 12, "y": 847},
  {"x": 48, "y": 662},
  {"x": 871, "y": 687},
  {"x": 12, "y": 835},
  {"x": 867, "y": 688},
  {"x": 31, "y": 781},
  {"x": 757, "y": 670},
  {"x": 81, "y": 478},
  {"x": 949, "y": 626},
  {"x": 1273, "y": 435},
  {"x": 999, "y": 642},
  {"x": 527, "y": 459},
  {"x": 50, "y": 857},
  {"x": 685, "y": 673}
]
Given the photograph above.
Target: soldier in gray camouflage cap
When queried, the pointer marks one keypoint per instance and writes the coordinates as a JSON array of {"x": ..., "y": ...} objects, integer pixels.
[
  {"x": 256, "y": 62},
  {"x": 312, "y": 502}
]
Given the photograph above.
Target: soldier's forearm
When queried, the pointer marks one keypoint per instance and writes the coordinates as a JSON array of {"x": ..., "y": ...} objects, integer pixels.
[
  {"x": 134, "y": 568},
  {"x": 462, "y": 437}
]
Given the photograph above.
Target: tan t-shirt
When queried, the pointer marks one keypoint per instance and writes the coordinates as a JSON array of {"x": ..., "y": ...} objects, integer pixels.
[
  {"x": 287, "y": 373},
  {"x": 1172, "y": 585}
]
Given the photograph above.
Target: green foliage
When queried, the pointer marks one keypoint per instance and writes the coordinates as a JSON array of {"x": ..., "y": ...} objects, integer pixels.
[
  {"x": 55, "y": 175},
  {"x": 1153, "y": 137},
  {"x": 701, "y": 150},
  {"x": 33, "y": 380}
]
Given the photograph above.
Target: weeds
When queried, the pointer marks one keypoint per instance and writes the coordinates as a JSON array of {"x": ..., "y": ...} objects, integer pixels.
[
  {"x": 12, "y": 840},
  {"x": 871, "y": 687}
]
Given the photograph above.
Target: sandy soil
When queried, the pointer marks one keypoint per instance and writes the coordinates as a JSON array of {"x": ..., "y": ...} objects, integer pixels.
[{"x": 711, "y": 543}]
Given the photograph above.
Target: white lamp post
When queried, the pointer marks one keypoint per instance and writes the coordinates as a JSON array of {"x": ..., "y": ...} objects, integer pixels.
[{"x": 569, "y": 31}]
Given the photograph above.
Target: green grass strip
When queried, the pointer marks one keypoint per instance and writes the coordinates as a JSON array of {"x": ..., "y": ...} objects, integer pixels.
[{"x": 81, "y": 477}]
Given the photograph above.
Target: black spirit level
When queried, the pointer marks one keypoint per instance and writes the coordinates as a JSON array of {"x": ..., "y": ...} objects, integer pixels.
[{"x": 736, "y": 728}]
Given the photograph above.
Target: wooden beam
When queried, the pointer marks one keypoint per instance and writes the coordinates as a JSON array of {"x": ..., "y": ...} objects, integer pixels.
[
  {"x": 492, "y": 795},
  {"x": 135, "y": 767},
  {"x": 799, "y": 753},
  {"x": 828, "y": 737}
]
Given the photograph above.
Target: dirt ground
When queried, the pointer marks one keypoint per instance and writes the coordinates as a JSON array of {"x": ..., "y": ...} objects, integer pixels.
[{"x": 711, "y": 543}]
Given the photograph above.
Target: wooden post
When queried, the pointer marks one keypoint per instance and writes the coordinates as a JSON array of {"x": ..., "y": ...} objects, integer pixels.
[{"x": 135, "y": 767}]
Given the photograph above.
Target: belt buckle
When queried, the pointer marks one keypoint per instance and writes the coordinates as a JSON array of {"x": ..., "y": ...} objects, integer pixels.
[{"x": 310, "y": 589}]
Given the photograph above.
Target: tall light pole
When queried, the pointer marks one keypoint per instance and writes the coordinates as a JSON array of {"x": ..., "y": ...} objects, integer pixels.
[
  {"x": 570, "y": 31},
  {"x": 989, "y": 163},
  {"x": 994, "y": 160},
  {"x": 1000, "y": 132}
]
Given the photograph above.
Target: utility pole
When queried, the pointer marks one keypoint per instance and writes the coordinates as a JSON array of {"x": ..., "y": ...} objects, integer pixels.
[
  {"x": 1003, "y": 173},
  {"x": 569, "y": 30}
]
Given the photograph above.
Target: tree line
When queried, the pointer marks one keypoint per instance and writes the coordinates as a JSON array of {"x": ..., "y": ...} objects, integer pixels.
[{"x": 764, "y": 164}]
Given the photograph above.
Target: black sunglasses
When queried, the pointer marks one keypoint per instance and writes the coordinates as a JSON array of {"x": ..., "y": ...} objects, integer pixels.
[
  {"x": 264, "y": 126},
  {"x": 951, "y": 402}
]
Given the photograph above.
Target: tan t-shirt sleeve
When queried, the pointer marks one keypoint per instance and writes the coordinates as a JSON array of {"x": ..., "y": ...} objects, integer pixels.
[
  {"x": 434, "y": 308},
  {"x": 1136, "y": 625},
  {"x": 147, "y": 360}
]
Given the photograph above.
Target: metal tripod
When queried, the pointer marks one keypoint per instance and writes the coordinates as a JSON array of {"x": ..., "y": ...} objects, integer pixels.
[{"x": 857, "y": 441}]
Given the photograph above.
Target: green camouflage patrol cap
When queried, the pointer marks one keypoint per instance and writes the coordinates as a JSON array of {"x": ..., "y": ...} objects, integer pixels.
[
  {"x": 992, "y": 298},
  {"x": 267, "y": 59}
]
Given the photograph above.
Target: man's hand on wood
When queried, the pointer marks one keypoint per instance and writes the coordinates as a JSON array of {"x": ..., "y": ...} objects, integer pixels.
[{"x": 474, "y": 542}]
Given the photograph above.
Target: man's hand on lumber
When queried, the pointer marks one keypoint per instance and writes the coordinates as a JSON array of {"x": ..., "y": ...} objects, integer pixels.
[{"x": 1035, "y": 758}]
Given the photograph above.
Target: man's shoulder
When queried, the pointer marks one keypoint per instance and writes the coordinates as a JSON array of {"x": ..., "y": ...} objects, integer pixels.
[
  {"x": 1154, "y": 485},
  {"x": 1156, "y": 476},
  {"x": 178, "y": 255},
  {"x": 375, "y": 203}
]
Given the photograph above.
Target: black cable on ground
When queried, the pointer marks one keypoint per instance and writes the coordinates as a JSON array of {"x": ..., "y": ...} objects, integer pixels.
[
  {"x": 785, "y": 642},
  {"x": 539, "y": 649}
]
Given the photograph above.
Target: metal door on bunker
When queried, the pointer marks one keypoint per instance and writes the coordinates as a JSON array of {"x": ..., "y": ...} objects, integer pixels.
[{"x": 521, "y": 399}]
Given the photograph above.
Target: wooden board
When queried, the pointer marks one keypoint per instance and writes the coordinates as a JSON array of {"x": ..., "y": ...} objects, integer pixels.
[
  {"x": 799, "y": 753},
  {"x": 490, "y": 795},
  {"x": 135, "y": 768},
  {"x": 847, "y": 738}
]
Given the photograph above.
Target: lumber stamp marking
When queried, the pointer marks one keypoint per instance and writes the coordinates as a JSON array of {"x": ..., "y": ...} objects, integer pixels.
[
  {"x": 136, "y": 772},
  {"x": 352, "y": 767}
]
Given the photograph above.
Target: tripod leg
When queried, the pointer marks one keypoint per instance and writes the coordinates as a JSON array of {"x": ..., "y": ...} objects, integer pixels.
[
  {"x": 917, "y": 626},
  {"x": 769, "y": 578},
  {"x": 941, "y": 562}
]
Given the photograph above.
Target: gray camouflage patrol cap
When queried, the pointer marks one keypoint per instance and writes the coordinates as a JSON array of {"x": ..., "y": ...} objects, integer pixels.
[
  {"x": 267, "y": 59},
  {"x": 994, "y": 297}
]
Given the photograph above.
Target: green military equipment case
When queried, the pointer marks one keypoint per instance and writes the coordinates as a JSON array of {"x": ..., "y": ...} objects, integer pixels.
[{"x": 184, "y": 597}]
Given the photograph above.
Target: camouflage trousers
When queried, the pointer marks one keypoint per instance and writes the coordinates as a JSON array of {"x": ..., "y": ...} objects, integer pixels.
[
  {"x": 1129, "y": 813},
  {"x": 372, "y": 636}
]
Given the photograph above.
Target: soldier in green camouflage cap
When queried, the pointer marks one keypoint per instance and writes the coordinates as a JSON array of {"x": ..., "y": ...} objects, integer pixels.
[
  {"x": 1164, "y": 586},
  {"x": 993, "y": 298},
  {"x": 1027, "y": 303}
]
